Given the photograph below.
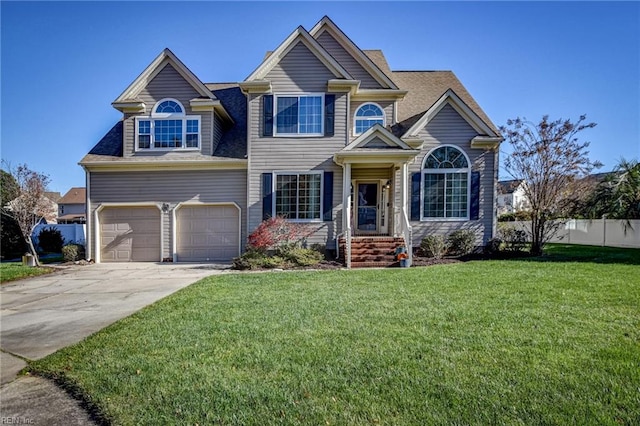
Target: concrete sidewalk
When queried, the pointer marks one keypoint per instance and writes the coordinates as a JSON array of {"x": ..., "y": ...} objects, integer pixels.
[{"x": 41, "y": 315}]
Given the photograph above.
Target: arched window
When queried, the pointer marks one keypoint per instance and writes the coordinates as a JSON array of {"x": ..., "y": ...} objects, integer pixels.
[
  {"x": 169, "y": 106},
  {"x": 168, "y": 128},
  {"x": 445, "y": 184},
  {"x": 366, "y": 116}
]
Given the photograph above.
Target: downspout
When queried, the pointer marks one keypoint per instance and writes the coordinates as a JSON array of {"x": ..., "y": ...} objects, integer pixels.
[{"x": 88, "y": 242}]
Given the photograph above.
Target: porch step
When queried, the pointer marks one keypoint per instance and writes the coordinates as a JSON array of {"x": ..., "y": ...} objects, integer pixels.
[{"x": 370, "y": 252}]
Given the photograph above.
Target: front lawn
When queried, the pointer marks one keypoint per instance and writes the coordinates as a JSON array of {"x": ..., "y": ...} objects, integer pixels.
[
  {"x": 485, "y": 342},
  {"x": 15, "y": 271}
]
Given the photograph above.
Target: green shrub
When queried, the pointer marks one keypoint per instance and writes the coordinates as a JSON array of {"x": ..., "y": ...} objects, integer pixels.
[
  {"x": 73, "y": 252},
  {"x": 461, "y": 242},
  {"x": 50, "y": 240},
  {"x": 284, "y": 257},
  {"x": 493, "y": 246},
  {"x": 257, "y": 259},
  {"x": 433, "y": 246},
  {"x": 514, "y": 239},
  {"x": 302, "y": 256}
]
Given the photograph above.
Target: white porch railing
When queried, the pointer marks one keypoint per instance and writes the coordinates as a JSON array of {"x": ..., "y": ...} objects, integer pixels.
[{"x": 407, "y": 233}]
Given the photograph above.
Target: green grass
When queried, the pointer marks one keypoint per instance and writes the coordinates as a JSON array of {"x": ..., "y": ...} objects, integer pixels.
[
  {"x": 16, "y": 271},
  {"x": 552, "y": 341}
]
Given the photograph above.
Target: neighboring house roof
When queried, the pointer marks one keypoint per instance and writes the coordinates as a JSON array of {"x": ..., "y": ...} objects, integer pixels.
[
  {"x": 76, "y": 195},
  {"x": 72, "y": 216},
  {"x": 509, "y": 186},
  {"x": 53, "y": 196}
]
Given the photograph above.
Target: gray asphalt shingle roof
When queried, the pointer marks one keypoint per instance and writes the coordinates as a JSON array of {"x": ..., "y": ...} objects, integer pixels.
[{"x": 423, "y": 88}]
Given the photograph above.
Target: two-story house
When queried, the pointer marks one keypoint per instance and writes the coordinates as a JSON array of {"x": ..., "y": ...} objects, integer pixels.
[
  {"x": 72, "y": 206},
  {"x": 320, "y": 132},
  {"x": 511, "y": 196}
]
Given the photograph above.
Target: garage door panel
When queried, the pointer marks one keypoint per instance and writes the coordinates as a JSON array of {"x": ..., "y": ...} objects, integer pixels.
[
  {"x": 207, "y": 233},
  {"x": 130, "y": 234}
]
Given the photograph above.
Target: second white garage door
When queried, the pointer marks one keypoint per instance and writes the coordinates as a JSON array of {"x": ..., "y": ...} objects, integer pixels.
[{"x": 207, "y": 233}]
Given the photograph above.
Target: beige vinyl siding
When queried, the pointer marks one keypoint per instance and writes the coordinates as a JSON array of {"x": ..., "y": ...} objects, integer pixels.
[
  {"x": 298, "y": 72},
  {"x": 171, "y": 187},
  {"x": 348, "y": 62},
  {"x": 387, "y": 107},
  {"x": 272, "y": 154},
  {"x": 168, "y": 83},
  {"x": 449, "y": 128},
  {"x": 371, "y": 173}
]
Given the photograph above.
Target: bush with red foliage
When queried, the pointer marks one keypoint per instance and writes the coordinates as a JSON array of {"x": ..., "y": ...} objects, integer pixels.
[{"x": 276, "y": 232}]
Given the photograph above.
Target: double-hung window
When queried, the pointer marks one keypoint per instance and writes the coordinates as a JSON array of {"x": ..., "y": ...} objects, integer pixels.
[
  {"x": 298, "y": 195},
  {"x": 445, "y": 184},
  {"x": 168, "y": 128},
  {"x": 299, "y": 114}
]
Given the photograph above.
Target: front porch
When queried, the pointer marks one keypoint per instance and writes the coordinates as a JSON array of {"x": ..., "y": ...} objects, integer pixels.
[
  {"x": 371, "y": 252},
  {"x": 375, "y": 199}
]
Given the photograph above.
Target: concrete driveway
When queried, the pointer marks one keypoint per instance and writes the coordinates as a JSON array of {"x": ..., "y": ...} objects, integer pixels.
[{"x": 43, "y": 314}]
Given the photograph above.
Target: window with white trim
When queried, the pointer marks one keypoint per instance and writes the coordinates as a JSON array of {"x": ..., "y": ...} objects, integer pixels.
[
  {"x": 366, "y": 116},
  {"x": 445, "y": 184},
  {"x": 168, "y": 128},
  {"x": 298, "y": 196},
  {"x": 299, "y": 114}
]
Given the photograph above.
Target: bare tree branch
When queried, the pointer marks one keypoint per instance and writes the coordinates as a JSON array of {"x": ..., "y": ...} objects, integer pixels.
[{"x": 548, "y": 156}]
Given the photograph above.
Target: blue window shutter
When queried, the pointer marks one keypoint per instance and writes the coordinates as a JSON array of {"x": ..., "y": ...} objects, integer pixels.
[
  {"x": 415, "y": 195},
  {"x": 267, "y": 115},
  {"x": 327, "y": 197},
  {"x": 267, "y": 195},
  {"x": 329, "y": 114},
  {"x": 474, "y": 206}
]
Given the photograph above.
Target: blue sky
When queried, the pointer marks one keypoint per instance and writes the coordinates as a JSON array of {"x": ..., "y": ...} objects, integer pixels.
[{"x": 63, "y": 63}]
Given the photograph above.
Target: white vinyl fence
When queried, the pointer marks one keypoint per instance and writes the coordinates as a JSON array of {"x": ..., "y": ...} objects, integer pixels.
[
  {"x": 596, "y": 232},
  {"x": 72, "y": 233}
]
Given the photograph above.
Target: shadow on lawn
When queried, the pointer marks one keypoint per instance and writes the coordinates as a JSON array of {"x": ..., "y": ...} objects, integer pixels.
[{"x": 590, "y": 254}]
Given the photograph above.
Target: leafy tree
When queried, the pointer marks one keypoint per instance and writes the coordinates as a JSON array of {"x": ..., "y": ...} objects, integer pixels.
[
  {"x": 30, "y": 206},
  {"x": 618, "y": 196},
  {"x": 549, "y": 157},
  {"x": 11, "y": 241},
  {"x": 9, "y": 189}
]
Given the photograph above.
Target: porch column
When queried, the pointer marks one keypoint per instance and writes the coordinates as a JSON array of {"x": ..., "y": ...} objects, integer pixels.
[
  {"x": 404, "y": 177},
  {"x": 346, "y": 198},
  {"x": 346, "y": 210}
]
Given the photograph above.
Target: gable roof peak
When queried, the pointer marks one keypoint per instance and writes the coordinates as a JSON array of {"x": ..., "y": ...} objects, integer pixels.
[
  {"x": 299, "y": 35},
  {"x": 166, "y": 57},
  {"x": 326, "y": 24}
]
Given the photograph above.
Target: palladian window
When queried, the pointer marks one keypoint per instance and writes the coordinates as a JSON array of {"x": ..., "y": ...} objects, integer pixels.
[
  {"x": 167, "y": 128},
  {"x": 445, "y": 184}
]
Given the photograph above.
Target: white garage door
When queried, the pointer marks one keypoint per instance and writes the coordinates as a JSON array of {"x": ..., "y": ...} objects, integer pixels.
[
  {"x": 130, "y": 234},
  {"x": 207, "y": 233}
]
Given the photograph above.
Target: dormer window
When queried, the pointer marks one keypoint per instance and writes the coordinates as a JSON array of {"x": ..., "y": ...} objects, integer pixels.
[
  {"x": 366, "y": 116},
  {"x": 168, "y": 128}
]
